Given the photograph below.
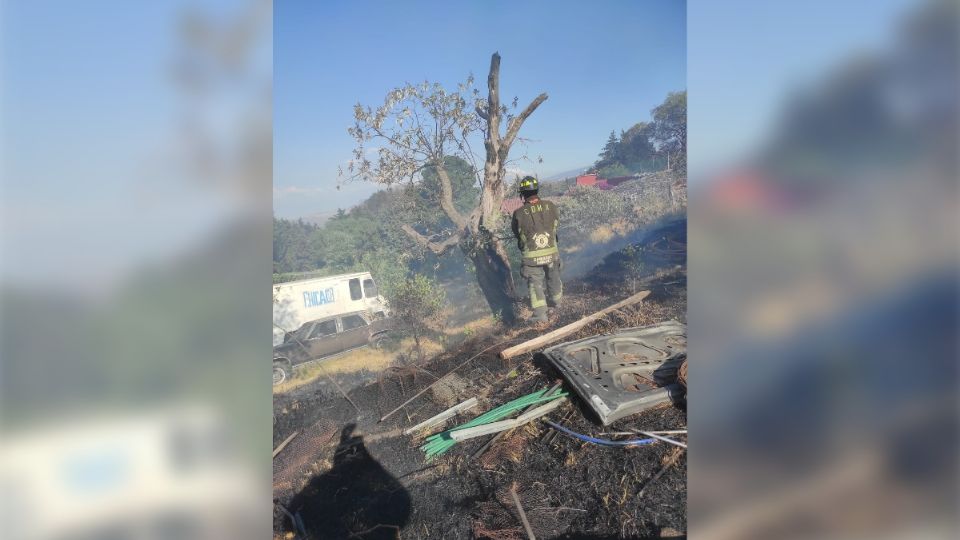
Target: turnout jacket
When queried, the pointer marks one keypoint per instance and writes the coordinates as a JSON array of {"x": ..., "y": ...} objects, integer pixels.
[{"x": 535, "y": 226}]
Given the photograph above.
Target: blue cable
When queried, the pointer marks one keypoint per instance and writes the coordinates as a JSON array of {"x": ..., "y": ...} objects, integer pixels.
[{"x": 603, "y": 442}]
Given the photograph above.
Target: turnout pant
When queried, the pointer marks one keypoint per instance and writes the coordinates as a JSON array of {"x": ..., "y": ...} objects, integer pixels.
[{"x": 545, "y": 286}]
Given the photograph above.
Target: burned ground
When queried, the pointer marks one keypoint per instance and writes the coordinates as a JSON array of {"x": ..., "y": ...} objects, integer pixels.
[{"x": 373, "y": 482}]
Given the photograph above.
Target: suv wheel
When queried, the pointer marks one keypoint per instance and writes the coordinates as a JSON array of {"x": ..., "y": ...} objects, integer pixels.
[
  {"x": 281, "y": 372},
  {"x": 380, "y": 342}
]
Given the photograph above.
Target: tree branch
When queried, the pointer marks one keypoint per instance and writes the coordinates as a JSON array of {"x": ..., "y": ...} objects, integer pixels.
[
  {"x": 514, "y": 126},
  {"x": 437, "y": 247},
  {"x": 446, "y": 195},
  {"x": 493, "y": 102}
]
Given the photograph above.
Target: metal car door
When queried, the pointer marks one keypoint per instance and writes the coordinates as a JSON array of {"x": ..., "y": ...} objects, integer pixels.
[
  {"x": 323, "y": 339},
  {"x": 625, "y": 372},
  {"x": 296, "y": 345},
  {"x": 355, "y": 331}
]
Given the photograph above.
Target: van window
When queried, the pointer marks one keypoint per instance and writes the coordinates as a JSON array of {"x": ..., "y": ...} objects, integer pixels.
[
  {"x": 352, "y": 321},
  {"x": 355, "y": 293},
  {"x": 325, "y": 328},
  {"x": 300, "y": 333},
  {"x": 369, "y": 288}
]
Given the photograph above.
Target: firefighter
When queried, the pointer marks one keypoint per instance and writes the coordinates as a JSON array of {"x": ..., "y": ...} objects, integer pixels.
[{"x": 535, "y": 227}]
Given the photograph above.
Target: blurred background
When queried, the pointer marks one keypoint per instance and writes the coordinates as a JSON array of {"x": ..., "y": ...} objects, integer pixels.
[
  {"x": 135, "y": 247},
  {"x": 823, "y": 269},
  {"x": 135, "y": 230}
]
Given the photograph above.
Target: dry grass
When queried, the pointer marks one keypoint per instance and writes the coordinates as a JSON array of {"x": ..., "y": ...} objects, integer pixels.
[
  {"x": 509, "y": 533},
  {"x": 602, "y": 234},
  {"x": 463, "y": 309},
  {"x": 623, "y": 227},
  {"x": 367, "y": 358},
  {"x": 476, "y": 327},
  {"x": 605, "y": 233},
  {"x": 511, "y": 447}
]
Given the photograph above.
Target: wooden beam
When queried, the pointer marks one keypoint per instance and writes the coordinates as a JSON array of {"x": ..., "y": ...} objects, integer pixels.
[
  {"x": 664, "y": 439},
  {"x": 443, "y": 416},
  {"x": 496, "y": 437},
  {"x": 284, "y": 444},
  {"x": 565, "y": 331},
  {"x": 523, "y": 515},
  {"x": 503, "y": 425}
]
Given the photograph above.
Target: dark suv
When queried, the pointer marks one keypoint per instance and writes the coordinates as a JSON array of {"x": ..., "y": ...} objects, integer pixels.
[{"x": 327, "y": 337}]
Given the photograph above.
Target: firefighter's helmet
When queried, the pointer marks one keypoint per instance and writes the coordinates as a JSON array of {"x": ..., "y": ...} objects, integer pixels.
[{"x": 529, "y": 185}]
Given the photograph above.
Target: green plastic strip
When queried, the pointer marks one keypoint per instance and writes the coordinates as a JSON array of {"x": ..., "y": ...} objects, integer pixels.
[{"x": 439, "y": 443}]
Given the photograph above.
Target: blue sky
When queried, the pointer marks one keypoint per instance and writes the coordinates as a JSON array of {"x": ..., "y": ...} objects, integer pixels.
[
  {"x": 93, "y": 161},
  {"x": 604, "y": 65}
]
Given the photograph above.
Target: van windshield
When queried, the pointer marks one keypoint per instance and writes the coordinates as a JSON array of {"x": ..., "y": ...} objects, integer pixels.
[{"x": 369, "y": 288}]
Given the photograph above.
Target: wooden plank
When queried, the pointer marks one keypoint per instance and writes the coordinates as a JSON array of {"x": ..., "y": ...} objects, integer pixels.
[
  {"x": 443, "y": 416},
  {"x": 664, "y": 439},
  {"x": 564, "y": 331},
  {"x": 285, "y": 443},
  {"x": 523, "y": 515},
  {"x": 496, "y": 437},
  {"x": 495, "y": 427}
]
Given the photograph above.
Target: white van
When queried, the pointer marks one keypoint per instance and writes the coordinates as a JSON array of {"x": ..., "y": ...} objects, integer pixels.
[
  {"x": 150, "y": 474},
  {"x": 299, "y": 302}
]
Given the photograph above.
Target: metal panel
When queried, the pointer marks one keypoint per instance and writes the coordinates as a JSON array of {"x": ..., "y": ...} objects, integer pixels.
[{"x": 626, "y": 372}]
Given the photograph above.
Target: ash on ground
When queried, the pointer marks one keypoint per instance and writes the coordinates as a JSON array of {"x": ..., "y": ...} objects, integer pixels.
[{"x": 348, "y": 475}]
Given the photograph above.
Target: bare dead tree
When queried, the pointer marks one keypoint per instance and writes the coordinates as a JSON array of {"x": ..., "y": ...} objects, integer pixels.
[{"x": 418, "y": 126}]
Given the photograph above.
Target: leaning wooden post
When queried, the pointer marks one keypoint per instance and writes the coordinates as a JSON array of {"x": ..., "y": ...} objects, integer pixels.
[{"x": 564, "y": 331}]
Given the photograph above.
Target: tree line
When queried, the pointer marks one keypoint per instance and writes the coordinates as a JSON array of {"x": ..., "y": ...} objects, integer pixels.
[
  {"x": 352, "y": 239},
  {"x": 357, "y": 239},
  {"x": 658, "y": 144}
]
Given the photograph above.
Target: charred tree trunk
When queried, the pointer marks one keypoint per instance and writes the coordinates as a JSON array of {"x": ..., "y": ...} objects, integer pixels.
[
  {"x": 416, "y": 341},
  {"x": 489, "y": 255},
  {"x": 494, "y": 276}
]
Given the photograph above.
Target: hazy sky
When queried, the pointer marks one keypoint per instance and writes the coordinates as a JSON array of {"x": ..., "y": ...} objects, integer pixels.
[
  {"x": 604, "y": 65},
  {"x": 748, "y": 58},
  {"x": 91, "y": 118},
  {"x": 93, "y": 161}
]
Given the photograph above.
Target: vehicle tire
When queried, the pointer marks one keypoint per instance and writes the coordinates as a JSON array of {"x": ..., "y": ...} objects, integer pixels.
[
  {"x": 281, "y": 372},
  {"x": 380, "y": 343}
]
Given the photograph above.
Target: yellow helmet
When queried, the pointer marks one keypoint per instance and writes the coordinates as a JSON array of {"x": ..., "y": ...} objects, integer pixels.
[{"x": 529, "y": 184}]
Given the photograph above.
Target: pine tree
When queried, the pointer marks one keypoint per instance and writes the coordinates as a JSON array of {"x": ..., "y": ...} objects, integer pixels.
[{"x": 609, "y": 153}]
